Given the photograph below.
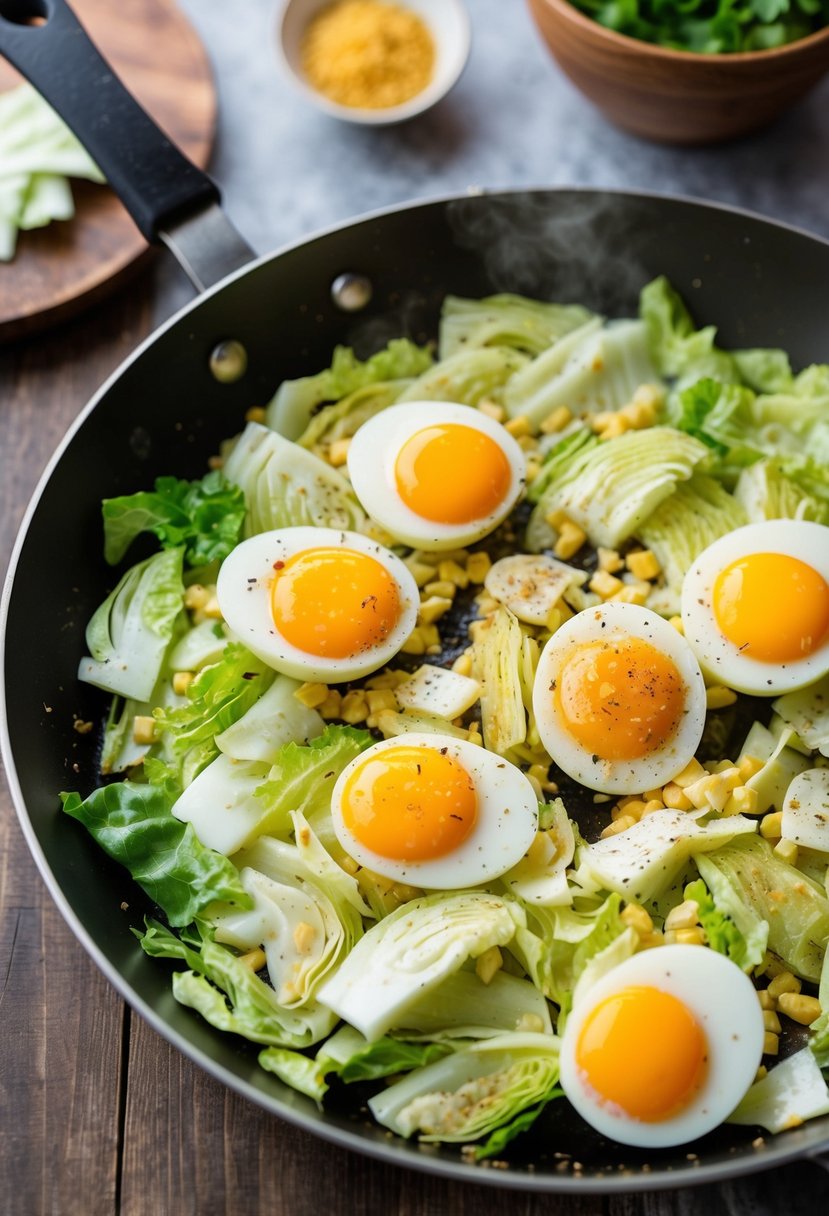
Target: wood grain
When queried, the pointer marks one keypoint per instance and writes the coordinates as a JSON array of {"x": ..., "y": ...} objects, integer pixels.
[{"x": 66, "y": 266}]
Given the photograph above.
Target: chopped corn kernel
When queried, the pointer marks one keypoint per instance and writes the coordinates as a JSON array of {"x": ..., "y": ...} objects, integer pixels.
[
  {"x": 477, "y": 566},
  {"x": 638, "y": 918},
  {"x": 719, "y": 697},
  {"x": 304, "y": 935},
  {"x": 255, "y": 959},
  {"x": 609, "y": 560},
  {"x": 643, "y": 564},
  {"x": 766, "y": 1000},
  {"x": 676, "y": 621},
  {"x": 743, "y": 801},
  {"x": 492, "y": 410},
  {"x": 683, "y": 916},
  {"x": 802, "y": 1009},
  {"x": 787, "y": 851},
  {"x": 676, "y": 798},
  {"x": 143, "y": 729},
  {"x": 354, "y": 707},
  {"x": 488, "y": 963},
  {"x": 605, "y": 584},
  {"x": 570, "y": 539},
  {"x": 338, "y": 452},
  {"x": 442, "y": 587},
  {"x": 463, "y": 664},
  {"x": 784, "y": 981},
  {"x": 685, "y": 937},
  {"x": 451, "y": 572},
  {"x": 620, "y": 825},
  {"x": 771, "y": 826},
  {"x": 557, "y": 420},
  {"x": 748, "y": 766},
  {"x": 381, "y": 698},
  {"x": 181, "y": 682},
  {"x": 771, "y": 1021},
  {"x": 195, "y": 597},
  {"x": 330, "y": 707},
  {"x": 433, "y": 608},
  {"x": 771, "y": 1044},
  {"x": 311, "y": 695}
]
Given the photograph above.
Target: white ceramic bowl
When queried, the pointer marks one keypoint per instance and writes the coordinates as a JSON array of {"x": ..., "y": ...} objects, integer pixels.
[{"x": 448, "y": 23}]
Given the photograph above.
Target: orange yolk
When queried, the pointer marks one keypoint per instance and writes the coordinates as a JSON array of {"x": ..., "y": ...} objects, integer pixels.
[
  {"x": 644, "y": 1051},
  {"x": 334, "y": 603},
  {"x": 452, "y": 474},
  {"x": 620, "y": 700},
  {"x": 773, "y": 607},
  {"x": 410, "y": 803}
]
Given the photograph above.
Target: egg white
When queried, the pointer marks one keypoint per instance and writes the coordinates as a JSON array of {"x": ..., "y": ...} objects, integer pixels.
[
  {"x": 720, "y": 657},
  {"x": 724, "y": 1002},
  {"x": 243, "y": 589},
  {"x": 608, "y": 623},
  {"x": 505, "y": 827},
  {"x": 371, "y": 467}
]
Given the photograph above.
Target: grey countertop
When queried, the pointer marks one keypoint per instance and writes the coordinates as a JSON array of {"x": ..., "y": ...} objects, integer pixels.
[{"x": 514, "y": 119}]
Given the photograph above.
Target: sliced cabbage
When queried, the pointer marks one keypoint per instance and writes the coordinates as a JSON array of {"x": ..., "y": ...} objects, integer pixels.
[
  {"x": 795, "y": 908},
  {"x": 642, "y": 861},
  {"x": 678, "y": 348},
  {"x": 618, "y": 951},
  {"x": 287, "y": 486},
  {"x": 347, "y": 1055},
  {"x": 306, "y": 914},
  {"x": 408, "y": 954},
  {"x": 275, "y": 719},
  {"x": 765, "y": 492},
  {"x": 593, "y": 369},
  {"x": 473, "y": 1091},
  {"x": 505, "y": 320},
  {"x": 806, "y": 810},
  {"x": 557, "y": 944},
  {"x": 231, "y": 997},
  {"x": 468, "y": 377},
  {"x": 463, "y": 1007},
  {"x": 698, "y": 512},
  {"x": 807, "y": 713},
  {"x": 296, "y": 401},
  {"x": 791, "y": 1092},
  {"x": 541, "y": 876},
  {"x": 610, "y": 488},
  {"x": 221, "y": 803},
  {"x": 200, "y": 646},
  {"x": 129, "y": 634},
  {"x": 496, "y": 652},
  {"x": 344, "y": 418}
]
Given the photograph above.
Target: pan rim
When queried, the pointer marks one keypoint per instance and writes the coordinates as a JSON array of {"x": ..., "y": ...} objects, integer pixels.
[{"x": 774, "y": 1153}]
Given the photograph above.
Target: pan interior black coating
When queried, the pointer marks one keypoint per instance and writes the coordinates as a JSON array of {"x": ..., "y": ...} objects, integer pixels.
[{"x": 759, "y": 283}]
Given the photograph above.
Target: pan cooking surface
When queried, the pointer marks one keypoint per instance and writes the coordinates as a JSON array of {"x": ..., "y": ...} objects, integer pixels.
[{"x": 164, "y": 413}]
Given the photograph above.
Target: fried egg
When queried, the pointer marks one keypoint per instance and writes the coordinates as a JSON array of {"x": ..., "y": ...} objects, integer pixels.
[
  {"x": 434, "y": 474},
  {"x": 661, "y": 1049},
  {"x": 755, "y": 606},
  {"x": 318, "y": 603},
  {"x": 619, "y": 699},
  {"x": 434, "y": 811}
]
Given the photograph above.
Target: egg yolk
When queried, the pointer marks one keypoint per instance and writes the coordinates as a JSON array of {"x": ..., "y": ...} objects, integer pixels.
[
  {"x": 642, "y": 1050},
  {"x": 773, "y": 607},
  {"x": 410, "y": 803},
  {"x": 452, "y": 474},
  {"x": 620, "y": 700},
  {"x": 334, "y": 603}
]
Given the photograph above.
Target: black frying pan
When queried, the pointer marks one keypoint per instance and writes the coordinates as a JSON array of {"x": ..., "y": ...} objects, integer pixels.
[{"x": 169, "y": 405}]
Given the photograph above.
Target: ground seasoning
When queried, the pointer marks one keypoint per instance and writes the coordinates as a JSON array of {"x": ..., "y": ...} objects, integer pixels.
[{"x": 368, "y": 54}]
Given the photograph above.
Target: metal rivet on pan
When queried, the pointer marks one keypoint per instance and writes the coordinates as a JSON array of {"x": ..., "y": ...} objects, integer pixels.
[
  {"x": 351, "y": 292},
  {"x": 228, "y": 361}
]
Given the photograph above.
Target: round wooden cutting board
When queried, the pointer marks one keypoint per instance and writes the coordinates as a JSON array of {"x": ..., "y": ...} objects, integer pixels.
[{"x": 60, "y": 269}]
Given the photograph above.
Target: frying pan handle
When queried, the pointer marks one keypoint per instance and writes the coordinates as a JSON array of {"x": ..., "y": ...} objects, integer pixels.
[{"x": 161, "y": 189}]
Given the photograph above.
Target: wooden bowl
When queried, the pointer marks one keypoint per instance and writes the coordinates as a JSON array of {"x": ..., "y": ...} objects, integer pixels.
[{"x": 678, "y": 97}]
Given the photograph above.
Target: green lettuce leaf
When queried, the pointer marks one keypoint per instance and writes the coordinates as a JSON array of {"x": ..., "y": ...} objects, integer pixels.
[
  {"x": 677, "y": 347},
  {"x": 731, "y": 928},
  {"x": 204, "y": 516},
  {"x": 468, "y": 377},
  {"x": 498, "y": 1140},
  {"x": 229, "y": 995},
  {"x": 296, "y": 401},
  {"x": 219, "y": 695},
  {"x": 369, "y": 1062},
  {"x": 134, "y": 825}
]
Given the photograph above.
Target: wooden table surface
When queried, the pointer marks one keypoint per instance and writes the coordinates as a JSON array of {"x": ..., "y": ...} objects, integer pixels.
[{"x": 98, "y": 1114}]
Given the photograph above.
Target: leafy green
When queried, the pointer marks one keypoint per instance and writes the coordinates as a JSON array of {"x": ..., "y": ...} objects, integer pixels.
[
  {"x": 610, "y": 488},
  {"x": 474, "y": 1091},
  {"x": 369, "y": 1062},
  {"x": 795, "y": 908},
  {"x": 204, "y": 516},
  {"x": 286, "y": 486},
  {"x": 218, "y": 696},
  {"x": 342, "y": 419},
  {"x": 296, "y": 401},
  {"x": 408, "y": 953},
  {"x": 522, "y": 1122},
  {"x": 711, "y": 27},
  {"x": 495, "y": 665},
  {"x": 764, "y": 491},
  {"x": 135, "y": 826},
  {"x": 468, "y": 377},
  {"x": 676, "y": 345},
  {"x": 229, "y": 995},
  {"x": 37, "y": 153},
  {"x": 505, "y": 320},
  {"x": 591, "y": 369},
  {"x": 731, "y": 928},
  {"x": 128, "y": 635}
]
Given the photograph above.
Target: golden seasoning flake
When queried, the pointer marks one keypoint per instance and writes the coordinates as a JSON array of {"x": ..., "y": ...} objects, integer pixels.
[{"x": 368, "y": 54}]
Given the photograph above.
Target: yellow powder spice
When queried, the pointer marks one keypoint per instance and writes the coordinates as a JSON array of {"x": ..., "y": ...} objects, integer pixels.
[{"x": 368, "y": 54}]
